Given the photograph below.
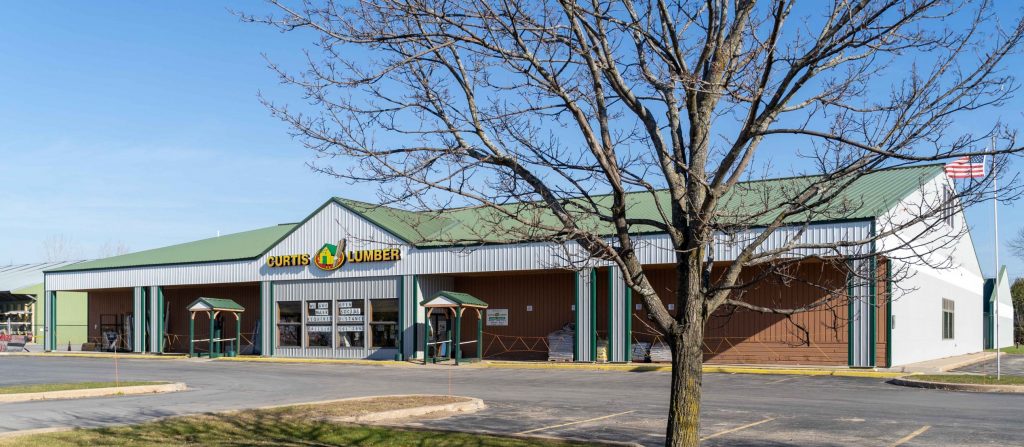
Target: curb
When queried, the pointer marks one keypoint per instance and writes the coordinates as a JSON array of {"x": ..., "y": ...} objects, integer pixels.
[
  {"x": 620, "y": 367},
  {"x": 706, "y": 369},
  {"x": 93, "y": 392},
  {"x": 33, "y": 431},
  {"x": 970, "y": 387},
  {"x": 968, "y": 362},
  {"x": 96, "y": 355},
  {"x": 317, "y": 361},
  {"x": 804, "y": 372},
  {"x": 471, "y": 405}
]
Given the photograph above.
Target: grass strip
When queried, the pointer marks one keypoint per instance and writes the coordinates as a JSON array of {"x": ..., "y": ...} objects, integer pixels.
[
  {"x": 1015, "y": 350},
  {"x": 44, "y": 387},
  {"x": 969, "y": 379},
  {"x": 300, "y": 425}
]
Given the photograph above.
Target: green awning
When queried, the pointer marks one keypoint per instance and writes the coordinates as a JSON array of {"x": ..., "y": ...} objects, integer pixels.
[
  {"x": 204, "y": 304},
  {"x": 445, "y": 298}
]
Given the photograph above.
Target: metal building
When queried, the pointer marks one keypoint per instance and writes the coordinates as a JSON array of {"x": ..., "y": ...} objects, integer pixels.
[{"x": 348, "y": 280}]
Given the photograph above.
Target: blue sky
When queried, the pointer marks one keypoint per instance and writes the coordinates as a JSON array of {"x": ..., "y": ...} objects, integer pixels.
[{"x": 138, "y": 123}]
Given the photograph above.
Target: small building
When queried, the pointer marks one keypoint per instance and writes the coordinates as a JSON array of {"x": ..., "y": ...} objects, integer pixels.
[
  {"x": 349, "y": 279},
  {"x": 21, "y": 285}
]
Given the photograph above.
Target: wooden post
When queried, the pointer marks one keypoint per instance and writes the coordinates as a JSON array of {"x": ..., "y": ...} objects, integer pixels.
[
  {"x": 479, "y": 335},
  {"x": 238, "y": 334},
  {"x": 210, "y": 343},
  {"x": 457, "y": 340},
  {"x": 191, "y": 335}
]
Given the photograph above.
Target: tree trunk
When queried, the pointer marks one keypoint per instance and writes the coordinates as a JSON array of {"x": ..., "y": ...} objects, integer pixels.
[{"x": 684, "y": 406}]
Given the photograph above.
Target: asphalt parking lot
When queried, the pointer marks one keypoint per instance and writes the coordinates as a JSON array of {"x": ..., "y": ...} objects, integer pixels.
[{"x": 754, "y": 410}]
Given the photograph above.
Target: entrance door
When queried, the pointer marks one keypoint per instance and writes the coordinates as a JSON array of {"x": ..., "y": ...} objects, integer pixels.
[{"x": 441, "y": 326}]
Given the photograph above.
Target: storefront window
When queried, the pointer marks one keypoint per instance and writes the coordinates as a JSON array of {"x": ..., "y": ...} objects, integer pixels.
[
  {"x": 384, "y": 323},
  {"x": 318, "y": 324},
  {"x": 289, "y": 323},
  {"x": 350, "y": 324}
]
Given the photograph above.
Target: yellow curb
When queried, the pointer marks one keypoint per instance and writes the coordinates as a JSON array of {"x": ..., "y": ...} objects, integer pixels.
[
  {"x": 100, "y": 355},
  {"x": 625, "y": 367},
  {"x": 579, "y": 366},
  {"x": 315, "y": 361},
  {"x": 804, "y": 372}
]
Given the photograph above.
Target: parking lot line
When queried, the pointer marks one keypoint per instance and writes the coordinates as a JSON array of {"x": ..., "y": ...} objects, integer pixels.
[
  {"x": 575, "y": 422},
  {"x": 733, "y": 430},
  {"x": 913, "y": 435}
]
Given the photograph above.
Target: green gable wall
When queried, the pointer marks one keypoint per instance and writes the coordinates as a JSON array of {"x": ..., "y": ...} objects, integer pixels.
[{"x": 72, "y": 316}]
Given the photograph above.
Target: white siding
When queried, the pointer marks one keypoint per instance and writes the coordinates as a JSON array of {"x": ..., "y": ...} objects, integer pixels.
[
  {"x": 1006, "y": 316},
  {"x": 938, "y": 266}
]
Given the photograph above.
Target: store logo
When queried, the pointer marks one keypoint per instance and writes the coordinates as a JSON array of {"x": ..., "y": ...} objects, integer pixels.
[{"x": 330, "y": 257}]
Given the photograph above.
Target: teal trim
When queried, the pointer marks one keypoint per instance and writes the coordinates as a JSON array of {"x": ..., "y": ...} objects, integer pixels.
[
  {"x": 849, "y": 313},
  {"x": 457, "y": 344},
  {"x": 874, "y": 311},
  {"x": 629, "y": 325},
  {"x": 416, "y": 319},
  {"x": 874, "y": 300},
  {"x": 576, "y": 317},
  {"x": 611, "y": 313},
  {"x": 888, "y": 313},
  {"x": 593, "y": 315},
  {"x": 160, "y": 319},
  {"x": 145, "y": 320}
]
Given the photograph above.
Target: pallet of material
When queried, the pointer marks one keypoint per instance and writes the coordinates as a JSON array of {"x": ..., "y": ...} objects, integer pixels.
[{"x": 560, "y": 344}]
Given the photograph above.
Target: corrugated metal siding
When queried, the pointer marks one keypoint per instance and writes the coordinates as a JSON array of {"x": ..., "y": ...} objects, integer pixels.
[
  {"x": 165, "y": 275},
  {"x": 138, "y": 319},
  {"x": 585, "y": 315},
  {"x": 619, "y": 314},
  {"x": 267, "y": 317},
  {"x": 525, "y": 338},
  {"x": 386, "y": 287},
  {"x": 861, "y": 350},
  {"x": 410, "y": 313},
  {"x": 335, "y": 222}
]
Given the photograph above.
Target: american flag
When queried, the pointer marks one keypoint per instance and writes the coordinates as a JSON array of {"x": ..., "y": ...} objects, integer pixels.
[{"x": 966, "y": 167}]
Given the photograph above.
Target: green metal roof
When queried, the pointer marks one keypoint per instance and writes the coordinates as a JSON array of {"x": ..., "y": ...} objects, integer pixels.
[
  {"x": 230, "y": 247},
  {"x": 205, "y": 303},
  {"x": 754, "y": 203},
  {"x": 462, "y": 299},
  {"x": 866, "y": 198}
]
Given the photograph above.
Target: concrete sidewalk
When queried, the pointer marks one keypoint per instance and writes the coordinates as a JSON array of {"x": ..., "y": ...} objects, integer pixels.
[{"x": 944, "y": 364}]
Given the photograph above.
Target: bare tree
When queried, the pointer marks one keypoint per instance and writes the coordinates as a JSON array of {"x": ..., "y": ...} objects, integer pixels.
[
  {"x": 552, "y": 116},
  {"x": 112, "y": 248},
  {"x": 61, "y": 248}
]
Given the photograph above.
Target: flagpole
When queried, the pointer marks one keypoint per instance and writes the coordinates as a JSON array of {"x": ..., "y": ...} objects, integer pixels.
[{"x": 995, "y": 286}]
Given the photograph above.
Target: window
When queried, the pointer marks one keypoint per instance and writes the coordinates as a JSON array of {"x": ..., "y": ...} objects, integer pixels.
[
  {"x": 289, "y": 323},
  {"x": 384, "y": 323},
  {"x": 350, "y": 324},
  {"x": 948, "y": 206},
  {"x": 947, "y": 319},
  {"x": 318, "y": 324}
]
